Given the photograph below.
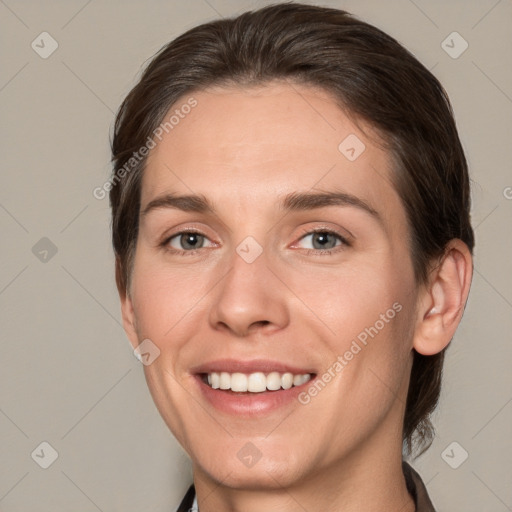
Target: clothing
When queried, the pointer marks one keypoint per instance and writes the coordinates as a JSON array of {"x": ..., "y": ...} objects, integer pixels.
[
  {"x": 415, "y": 486},
  {"x": 189, "y": 501},
  {"x": 417, "y": 489}
]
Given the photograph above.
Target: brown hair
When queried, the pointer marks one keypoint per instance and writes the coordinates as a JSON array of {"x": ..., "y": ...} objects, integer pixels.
[{"x": 372, "y": 77}]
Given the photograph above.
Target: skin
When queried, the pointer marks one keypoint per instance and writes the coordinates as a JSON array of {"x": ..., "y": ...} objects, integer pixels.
[{"x": 245, "y": 149}]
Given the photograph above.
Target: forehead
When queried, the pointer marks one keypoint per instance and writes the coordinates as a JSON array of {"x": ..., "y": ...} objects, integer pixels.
[{"x": 251, "y": 145}]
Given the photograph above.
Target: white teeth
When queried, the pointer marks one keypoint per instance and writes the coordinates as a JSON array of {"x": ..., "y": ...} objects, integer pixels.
[
  {"x": 215, "y": 380},
  {"x": 238, "y": 382},
  {"x": 255, "y": 382},
  {"x": 225, "y": 381},
  {"x": 301, "y": 379},
  {"x": 273, "y": 381},
  {"x": 287, "y": 380}
]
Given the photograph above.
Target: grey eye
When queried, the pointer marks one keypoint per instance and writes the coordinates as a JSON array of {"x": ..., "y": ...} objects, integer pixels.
[
  {"x": 187, "y": 241},
  {"x": 322, "y": 240}
]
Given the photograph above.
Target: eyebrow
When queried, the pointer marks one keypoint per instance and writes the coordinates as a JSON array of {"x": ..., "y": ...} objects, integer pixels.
[{"x": 296, "y": 201}]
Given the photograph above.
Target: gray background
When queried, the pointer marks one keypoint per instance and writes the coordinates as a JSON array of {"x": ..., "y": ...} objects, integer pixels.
[{"x": 68, "y": 375}]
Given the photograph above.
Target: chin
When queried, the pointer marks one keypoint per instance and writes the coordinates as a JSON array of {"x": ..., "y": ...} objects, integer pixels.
[{"x": 249, "y": 467}]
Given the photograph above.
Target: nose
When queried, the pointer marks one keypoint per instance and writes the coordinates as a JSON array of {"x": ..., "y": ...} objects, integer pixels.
[{"x": 249, "y": 298}]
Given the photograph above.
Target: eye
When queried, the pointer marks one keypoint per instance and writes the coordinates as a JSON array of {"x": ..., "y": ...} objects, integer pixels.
[
  {"x": 322, "y": 240},
  {"x": 187, "y": 241}
]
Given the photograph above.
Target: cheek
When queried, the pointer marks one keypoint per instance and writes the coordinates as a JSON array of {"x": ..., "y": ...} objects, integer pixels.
[
  {"x": 165, "y": 302},
  {"x": 164, "y": 297},
  {"x": 351, "y": 299},
  {"x": 367, "y": 343}
]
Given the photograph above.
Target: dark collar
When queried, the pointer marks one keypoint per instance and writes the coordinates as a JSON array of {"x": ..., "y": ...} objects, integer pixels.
[
  {"x": 188, "y": 500},
  {"x": 415, "y": 486},
  {"x": 417, "y": 489}
]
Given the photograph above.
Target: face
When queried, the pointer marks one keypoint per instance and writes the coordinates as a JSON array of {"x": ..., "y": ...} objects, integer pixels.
[{"x": 280, "y": 293}]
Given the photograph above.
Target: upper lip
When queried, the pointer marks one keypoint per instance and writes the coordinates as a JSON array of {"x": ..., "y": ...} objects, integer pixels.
[{"x": 250, "y": 366}]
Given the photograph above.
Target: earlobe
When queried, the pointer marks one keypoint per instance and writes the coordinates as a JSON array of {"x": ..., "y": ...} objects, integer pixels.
[
  {"x": 127, "y": 310},
  {"x": 441, "y": 304},
  {"x": 129, "y": 323}
]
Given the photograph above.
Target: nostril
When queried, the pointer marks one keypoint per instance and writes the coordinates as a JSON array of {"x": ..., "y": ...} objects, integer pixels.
[{"x": 261, "y": 322}]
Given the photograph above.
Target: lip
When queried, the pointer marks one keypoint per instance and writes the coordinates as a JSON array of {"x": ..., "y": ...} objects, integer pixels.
[
  {"x": 251, "y": 366},
  {"x": 246, "y": 404}
]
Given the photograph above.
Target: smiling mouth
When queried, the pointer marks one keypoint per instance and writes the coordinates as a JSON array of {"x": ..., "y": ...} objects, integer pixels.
[{"x": 257, "y": 382}]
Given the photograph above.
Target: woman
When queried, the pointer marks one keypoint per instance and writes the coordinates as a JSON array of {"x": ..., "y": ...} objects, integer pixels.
[{"x": 293, "y": 245}]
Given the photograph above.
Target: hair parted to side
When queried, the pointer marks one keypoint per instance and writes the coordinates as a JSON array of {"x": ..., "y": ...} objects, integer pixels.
[{"x": 372, "y": 77}]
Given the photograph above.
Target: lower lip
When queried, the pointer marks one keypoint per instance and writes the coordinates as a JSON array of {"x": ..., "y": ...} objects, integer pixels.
[{"x": 250, "y": 404}]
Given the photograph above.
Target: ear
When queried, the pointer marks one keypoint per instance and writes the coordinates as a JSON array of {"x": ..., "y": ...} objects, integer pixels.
[
  {"x": 127, "y": 311},
  {"x": 441, "y": 303}
]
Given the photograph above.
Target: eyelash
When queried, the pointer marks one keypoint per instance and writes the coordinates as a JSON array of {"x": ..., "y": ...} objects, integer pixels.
[
  {"x": 343, "y": 240},
  {"x": 323, "y": 252},
  {"x": 181, "y": 252}
]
